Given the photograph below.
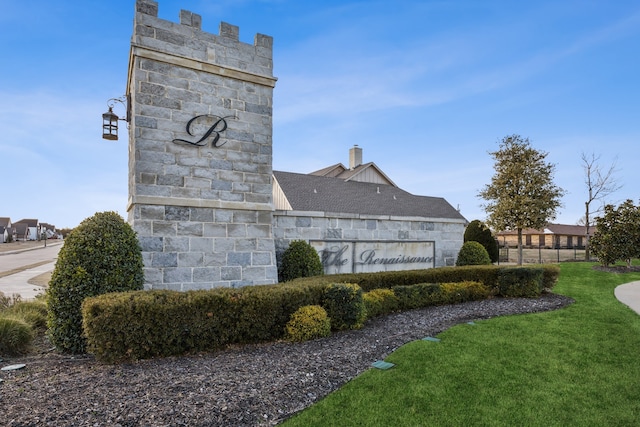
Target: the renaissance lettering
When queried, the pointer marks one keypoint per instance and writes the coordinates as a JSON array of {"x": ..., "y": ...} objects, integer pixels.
[
  {"x": 371, "y": 256},
  {"x": 368, "y": 257},
  {"x": 214, "y": 131},
  {"x": 333, "y": 256}
]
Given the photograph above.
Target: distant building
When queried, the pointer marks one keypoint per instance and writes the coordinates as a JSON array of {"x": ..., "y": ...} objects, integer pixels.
[
  {"x": 553, "y": 236},
  {"x": 6, "y": 230},
  {"x": 22, "y": 232},
  {"x": 32, "y": 225}
]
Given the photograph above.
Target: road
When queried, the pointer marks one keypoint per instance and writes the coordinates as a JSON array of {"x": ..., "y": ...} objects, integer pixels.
[
  {"x": 24, "y": 265},
  {"x": 11, "y": 261}
]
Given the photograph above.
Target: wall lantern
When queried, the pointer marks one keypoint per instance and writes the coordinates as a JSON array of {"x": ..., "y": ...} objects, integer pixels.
[{"x": 110, "y": 119}]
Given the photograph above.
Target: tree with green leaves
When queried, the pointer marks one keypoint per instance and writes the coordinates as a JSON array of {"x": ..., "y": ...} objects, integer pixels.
[
  {"x": 477, "y": 231},
  {"x": 522, "y": 193},
  {"x": 617, "y": 235}
]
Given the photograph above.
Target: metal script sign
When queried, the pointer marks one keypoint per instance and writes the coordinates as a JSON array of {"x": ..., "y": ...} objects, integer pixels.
[
  {"x": 205, "y": 125},
  {"x": 371, "y": 256}
]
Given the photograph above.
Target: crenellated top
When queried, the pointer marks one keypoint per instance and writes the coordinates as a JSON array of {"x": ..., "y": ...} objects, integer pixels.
[{"x": 187, "y": 40}]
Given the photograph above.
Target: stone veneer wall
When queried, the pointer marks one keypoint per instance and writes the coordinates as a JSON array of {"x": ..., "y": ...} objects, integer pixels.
[
  {"x": 299, "y": 225},
  {"x": 203, "y": 214}
]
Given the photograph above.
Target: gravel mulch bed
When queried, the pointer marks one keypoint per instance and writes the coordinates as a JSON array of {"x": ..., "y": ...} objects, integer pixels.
[{"x": 242, "y": 386}]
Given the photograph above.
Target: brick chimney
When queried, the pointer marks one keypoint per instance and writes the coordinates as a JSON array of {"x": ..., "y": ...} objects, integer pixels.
[{"x": 355, "y": 157}]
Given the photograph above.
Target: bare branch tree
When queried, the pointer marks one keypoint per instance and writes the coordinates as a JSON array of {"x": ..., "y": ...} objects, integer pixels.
[{"x": 600, "y": 184}]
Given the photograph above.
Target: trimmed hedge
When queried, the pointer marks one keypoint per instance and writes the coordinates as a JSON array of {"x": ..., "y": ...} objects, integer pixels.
[
  {"x": 145, "y": 324},
  {"x": 455, "y": 293},
  {"x": 308, "y": 323},
  {"x": 429, "y": 294},
  {"x": 520, "y": 282},
  {"x": 380, "y": 301},
  {"x": 486, "y": 274},
  {"x": 345, "y": 306}
]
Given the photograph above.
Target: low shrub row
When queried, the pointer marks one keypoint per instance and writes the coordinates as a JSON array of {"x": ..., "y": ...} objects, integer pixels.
[
  {"x": 145, "y": 324},
  {"x": 493, "y": 277}
]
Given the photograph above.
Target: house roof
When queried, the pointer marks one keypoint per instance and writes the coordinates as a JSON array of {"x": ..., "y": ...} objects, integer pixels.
[
  {"x": 29, "y": 221},
  {"x": 5, "y": 221},
  {"x": 21, "y": 228},
  {"x": 560, "y": 229},
  {"x": 333, "y": 170},
  {"x": 340, "y": 171},
  {"x": 330, "y": 194}
]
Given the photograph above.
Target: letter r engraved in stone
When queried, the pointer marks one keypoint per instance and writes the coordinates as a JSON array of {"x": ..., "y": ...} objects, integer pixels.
[{"x": 219, "y": 126}]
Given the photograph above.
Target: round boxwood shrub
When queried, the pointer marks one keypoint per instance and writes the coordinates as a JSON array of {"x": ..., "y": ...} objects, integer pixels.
[
  {"x": 299, "y": 260},
  {"x": 345, "y": 306},
  {"x": 308, "y": 323},
  {"x": 99, "y": 256},
  {"x": 473, "y": 253},
  {"x": 477, "y": 231}
]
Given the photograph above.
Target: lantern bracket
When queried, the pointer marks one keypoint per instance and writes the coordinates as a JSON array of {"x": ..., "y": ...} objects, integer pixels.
[{"x": 110, "y": 119}]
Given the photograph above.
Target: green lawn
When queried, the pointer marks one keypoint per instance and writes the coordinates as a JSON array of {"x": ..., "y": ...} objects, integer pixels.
[{"x": 578, "y": 366}]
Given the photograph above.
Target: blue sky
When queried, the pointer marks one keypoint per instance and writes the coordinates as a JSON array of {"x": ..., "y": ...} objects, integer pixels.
[{"x": 425, "y": 88}]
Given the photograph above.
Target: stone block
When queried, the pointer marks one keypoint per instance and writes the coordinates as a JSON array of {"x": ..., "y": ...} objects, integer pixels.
[
  {"x": 201, "y": 214},
  {"x": 176, "y": 213},
  {"x": 215, "y": 259},
  {"x": 228, "y": 196},
  {"x": 152, "y": 212},
  {"x": 245, "y": 245},
  {"x": 189, "y": 228},
  {"x": 164, "y": 228},
  {"x": 176, "y": 244},
  {"x": 239, "y": 258},
  {"x": 201, "y": 244},
  {"x": 265, "y": 245},
  {"x": 261, "y": 258},
  {"x": 206, "y": 274},
  {"x": 253, "y": 274},
  {"x": 197, "y": 182},
  {"x": 151, "y": 244},
  {"x": 163, "y": 259},
  {"x": 190, "y": 259},
  {"x": 177, "y": 275},
  {"x": 231, "y": 273},
  {"x": 214, "y": 230},
  {"x": 170, "y": 180},
  {"x": 303, "y": 222},
  {"x": 224, "y": 245},
  {"x": 255, "y": 230},
  {"x": 236, "y": 230}
]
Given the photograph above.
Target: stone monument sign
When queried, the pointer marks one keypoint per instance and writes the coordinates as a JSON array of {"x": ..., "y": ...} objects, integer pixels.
[{"x": 200, "y": 153}]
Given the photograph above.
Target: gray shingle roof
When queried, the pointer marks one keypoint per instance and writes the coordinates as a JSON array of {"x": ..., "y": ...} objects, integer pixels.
[{"x": 326, "y": 194}]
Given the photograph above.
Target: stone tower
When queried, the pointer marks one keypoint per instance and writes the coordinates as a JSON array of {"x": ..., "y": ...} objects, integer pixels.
[{"x": 200, "y": 153}]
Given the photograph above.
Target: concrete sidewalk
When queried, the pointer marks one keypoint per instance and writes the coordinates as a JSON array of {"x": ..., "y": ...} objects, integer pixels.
[{"x": 629, "y": 295}]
